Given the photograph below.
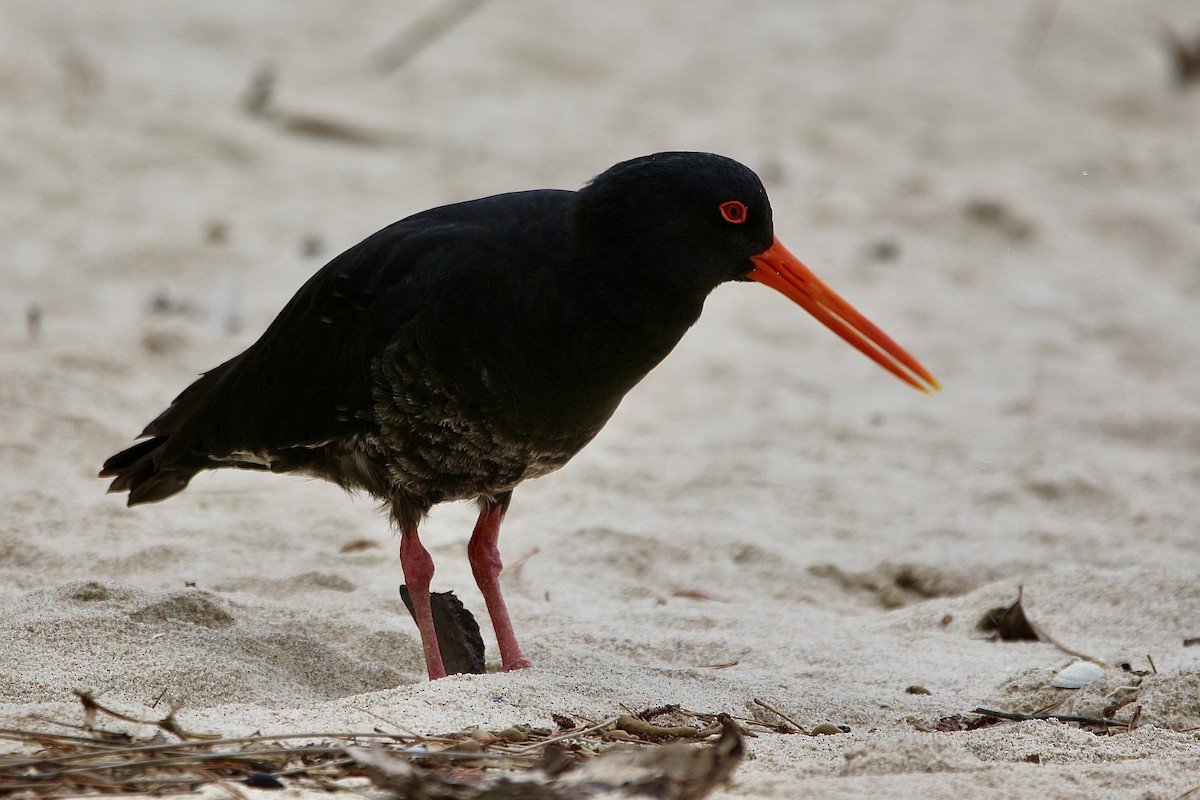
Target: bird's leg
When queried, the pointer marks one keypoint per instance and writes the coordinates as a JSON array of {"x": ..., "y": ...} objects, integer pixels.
[
  {"x": 484, "y": 556},
  {"x": 418, "y": 572}
]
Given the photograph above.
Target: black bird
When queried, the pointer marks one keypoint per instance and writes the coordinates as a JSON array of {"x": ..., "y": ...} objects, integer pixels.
[{"x": 465, "y": 349}]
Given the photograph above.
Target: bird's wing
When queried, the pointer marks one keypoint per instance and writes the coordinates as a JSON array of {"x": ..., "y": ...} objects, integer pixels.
[{"x": 308, "y": 380}]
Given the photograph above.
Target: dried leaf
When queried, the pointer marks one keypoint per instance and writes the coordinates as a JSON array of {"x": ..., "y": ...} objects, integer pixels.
[{"x": 1010, "y": 623}]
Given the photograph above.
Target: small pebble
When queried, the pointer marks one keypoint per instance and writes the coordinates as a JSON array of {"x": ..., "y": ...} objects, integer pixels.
[{"x": 513, "y": 734}]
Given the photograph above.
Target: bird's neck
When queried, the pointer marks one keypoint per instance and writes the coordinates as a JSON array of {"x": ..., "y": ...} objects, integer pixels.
[{"x": 626, "y": 321}]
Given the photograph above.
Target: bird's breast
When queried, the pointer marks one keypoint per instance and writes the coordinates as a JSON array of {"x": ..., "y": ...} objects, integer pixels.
[{"x": 451, "y": 430}]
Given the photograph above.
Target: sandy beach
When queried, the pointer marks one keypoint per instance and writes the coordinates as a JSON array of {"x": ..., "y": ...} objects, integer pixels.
[{"x": 1010, "y": 190}]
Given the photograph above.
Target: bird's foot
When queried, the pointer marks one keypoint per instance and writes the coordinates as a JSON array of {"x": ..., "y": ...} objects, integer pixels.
[{"x": 517, "y": 663}]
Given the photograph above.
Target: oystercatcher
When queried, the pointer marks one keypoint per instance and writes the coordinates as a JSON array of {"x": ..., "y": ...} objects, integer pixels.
[{"x": 467, "y": 348}]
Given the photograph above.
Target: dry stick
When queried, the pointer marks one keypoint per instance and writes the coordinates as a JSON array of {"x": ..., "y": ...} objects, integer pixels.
[
  {"x": 513, "y": 571},
  {"x": 195, "y": 745},
  {"x": 1047, "y": 709},
  {"x": 395, "y": 725},
  {"x": 569, "y": 735},
  {"x": 194, "y": 760},
  {"x": 171, "y": 755},
  {"x": 779, "y": 714},
  {"x": 60, "y": 723},
  {"x": 745, "y": 722},
  {"x": 58, "y": 738},
  {"x": 1189, "y": 794},
  {"x": 424, "y": 32},
  {"x": 710, "y": 724},
  {"x": 649, "y": 731},
  {"x": 91, "y": 705},
  {"x": 1058, "y": 717},
  {"x": 1041, "y": 632},
  {"x": 158, "y": 699}
]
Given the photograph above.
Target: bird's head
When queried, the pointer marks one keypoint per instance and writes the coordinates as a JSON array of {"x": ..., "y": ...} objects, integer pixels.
[{"x": 692, "y": 221}]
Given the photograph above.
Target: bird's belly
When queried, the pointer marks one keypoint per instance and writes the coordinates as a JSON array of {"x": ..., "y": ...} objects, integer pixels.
[
  {"x": 439, "y": 459},
  {"x": 463, "y": 467},
  {"x": 465, "y": 434}
]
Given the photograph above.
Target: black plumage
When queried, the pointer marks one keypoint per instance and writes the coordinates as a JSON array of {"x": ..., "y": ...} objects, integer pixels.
[{"x": 467, "y": 348}]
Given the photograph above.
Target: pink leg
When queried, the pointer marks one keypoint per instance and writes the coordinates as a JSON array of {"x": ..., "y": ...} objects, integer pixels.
[
  {"x": 484, "y": 556},
  {"x": 418, "y": 572}
]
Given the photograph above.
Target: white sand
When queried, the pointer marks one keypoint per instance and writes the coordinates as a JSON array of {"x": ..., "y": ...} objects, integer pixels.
[{"x": 852, "y": 530}]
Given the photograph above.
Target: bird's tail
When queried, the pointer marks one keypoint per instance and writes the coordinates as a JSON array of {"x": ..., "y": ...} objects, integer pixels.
[
  {"x": 136, "y": 470},
  {"x": 169, "y": 456}
]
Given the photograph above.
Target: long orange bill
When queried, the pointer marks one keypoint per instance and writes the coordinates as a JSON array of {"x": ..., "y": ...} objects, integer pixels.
[{"x": 785, "y": 273}]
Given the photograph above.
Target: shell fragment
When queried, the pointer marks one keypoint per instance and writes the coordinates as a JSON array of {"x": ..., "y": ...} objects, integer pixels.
[{"x": 1078, "y": 675}]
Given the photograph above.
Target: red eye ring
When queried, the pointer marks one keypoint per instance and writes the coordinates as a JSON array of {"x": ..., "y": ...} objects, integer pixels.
[{"x": 733, "y": 211}]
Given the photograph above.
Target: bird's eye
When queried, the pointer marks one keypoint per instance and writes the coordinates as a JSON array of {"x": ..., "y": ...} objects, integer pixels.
[{"x": 733, "y": 211}]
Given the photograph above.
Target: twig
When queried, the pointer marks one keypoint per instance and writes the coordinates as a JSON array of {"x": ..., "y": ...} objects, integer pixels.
[
  {"x": 779, "y": 714},
  {"x": 513, "y": 571},
  {"x": 58, "y": 738},
  {"x": 563, "y": 737},
  {"x": 167, "y": 723},
  {"x": 1057, "y": 717},
  {"x": 69, "y": 766},
  {"x": 648, "y": 731},
  {"x": 744, "y": 722},
  {"x": 1048, "y": 639},
  {"x": 1047, "y": 709},
  {"x": 423, "y": 32},
  {"x": 241, "y": 755},
  {"x": 395, "y": 725},
  {"x": 20, "y": 735}
]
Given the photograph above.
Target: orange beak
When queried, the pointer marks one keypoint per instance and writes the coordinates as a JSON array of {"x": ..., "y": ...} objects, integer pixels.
[{"x": 785, "y": 273}]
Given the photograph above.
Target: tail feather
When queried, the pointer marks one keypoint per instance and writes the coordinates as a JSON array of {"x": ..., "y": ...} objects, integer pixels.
[
  {"x": 136, "y": 470},
  {"x": 169, "y": 457}
]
